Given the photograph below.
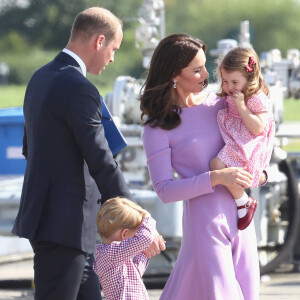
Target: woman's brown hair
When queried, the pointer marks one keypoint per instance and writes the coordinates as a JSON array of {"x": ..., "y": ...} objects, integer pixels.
[{"x": 172, "y": 54}]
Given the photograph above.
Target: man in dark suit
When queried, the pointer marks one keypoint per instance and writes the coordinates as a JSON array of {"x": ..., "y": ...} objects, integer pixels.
[{"x": 69, "y": 161}]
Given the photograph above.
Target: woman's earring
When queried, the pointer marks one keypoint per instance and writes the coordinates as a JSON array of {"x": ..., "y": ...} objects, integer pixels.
[{"x": 175, "y": 84}]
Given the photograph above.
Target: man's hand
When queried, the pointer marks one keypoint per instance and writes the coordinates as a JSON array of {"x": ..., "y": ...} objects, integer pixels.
[{"x": 156, "y": 247}]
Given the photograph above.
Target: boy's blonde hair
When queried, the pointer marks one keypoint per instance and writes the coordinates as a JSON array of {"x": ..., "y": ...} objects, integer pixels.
[
  {"x": 236, "y": 60},
  {"x": 118, "y": 213}
]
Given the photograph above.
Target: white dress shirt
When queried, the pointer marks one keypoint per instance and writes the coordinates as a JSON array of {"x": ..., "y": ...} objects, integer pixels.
[{"x": 78, "y": 59}]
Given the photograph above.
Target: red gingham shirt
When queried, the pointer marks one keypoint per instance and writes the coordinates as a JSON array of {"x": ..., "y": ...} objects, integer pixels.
[{"x": 121, "y": 265}]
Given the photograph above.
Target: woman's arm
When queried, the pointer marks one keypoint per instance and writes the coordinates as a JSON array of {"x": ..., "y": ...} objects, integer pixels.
[
  {"x": 168, "y": 189},
  {"x": 232, "y": 177}
]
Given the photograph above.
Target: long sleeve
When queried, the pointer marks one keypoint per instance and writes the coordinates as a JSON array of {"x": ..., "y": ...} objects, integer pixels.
[
  {"x": 141, "y": 263},
  {"x": 118, "y": 252},
  {"x": 158, "y": 152},
  {"x": 120, "y": 265},
  {"x": 83, "y": 116}
]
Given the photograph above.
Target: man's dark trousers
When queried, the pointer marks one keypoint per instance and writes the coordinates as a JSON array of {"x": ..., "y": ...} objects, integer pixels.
[{"x": 69, "y": 267}]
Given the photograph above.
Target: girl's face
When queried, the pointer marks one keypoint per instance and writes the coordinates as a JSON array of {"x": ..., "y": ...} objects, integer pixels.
[
  {"x": 233, "y": 81},
  {"x": 192, "y": 78}
]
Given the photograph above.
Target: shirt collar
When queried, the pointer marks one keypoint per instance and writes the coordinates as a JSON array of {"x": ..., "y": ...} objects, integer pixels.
[{"x": 78, "y": 59}]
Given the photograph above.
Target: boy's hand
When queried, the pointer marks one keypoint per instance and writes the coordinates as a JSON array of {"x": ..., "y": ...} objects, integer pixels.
[{"x": 156, "y": 247}]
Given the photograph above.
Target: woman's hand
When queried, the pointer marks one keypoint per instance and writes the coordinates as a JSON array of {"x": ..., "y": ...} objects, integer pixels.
[{"x": 233, "y": 177}]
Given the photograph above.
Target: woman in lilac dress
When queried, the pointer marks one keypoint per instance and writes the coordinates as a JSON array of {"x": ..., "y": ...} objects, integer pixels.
[{"x": 216, "y": 260}]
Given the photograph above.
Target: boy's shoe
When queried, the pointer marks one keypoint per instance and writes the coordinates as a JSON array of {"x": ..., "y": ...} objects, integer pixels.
[{"x": 246, "y": 220}]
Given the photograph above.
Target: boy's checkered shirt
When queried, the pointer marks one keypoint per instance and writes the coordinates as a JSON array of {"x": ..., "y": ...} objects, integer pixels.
[{"x": 121, "y": 265}]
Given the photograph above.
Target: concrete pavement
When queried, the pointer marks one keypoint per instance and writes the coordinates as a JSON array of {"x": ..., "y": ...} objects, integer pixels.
[{"x": 16, "y": 279}]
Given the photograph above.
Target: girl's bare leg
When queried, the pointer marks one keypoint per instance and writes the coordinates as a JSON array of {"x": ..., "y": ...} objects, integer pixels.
[{"x": 217, "y": 164}]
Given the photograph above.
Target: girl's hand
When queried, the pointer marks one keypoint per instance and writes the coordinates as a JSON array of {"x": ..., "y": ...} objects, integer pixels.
[
  {"x": 255, "y": 122},
  {"x": 238, "y": 98},
  {"x": 233, "y": 177}
]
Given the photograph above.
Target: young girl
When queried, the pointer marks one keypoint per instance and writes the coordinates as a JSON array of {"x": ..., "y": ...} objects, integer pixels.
[
  {"x": 247, "y": 125},
  {"x": 126, "y": 231}
]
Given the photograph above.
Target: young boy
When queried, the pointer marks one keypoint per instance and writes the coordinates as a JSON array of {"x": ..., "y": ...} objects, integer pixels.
[{"x": 126, "y": 231}]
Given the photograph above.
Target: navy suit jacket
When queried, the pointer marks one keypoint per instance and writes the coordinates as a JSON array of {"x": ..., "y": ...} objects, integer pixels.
[{"x": 68, "y": 158}]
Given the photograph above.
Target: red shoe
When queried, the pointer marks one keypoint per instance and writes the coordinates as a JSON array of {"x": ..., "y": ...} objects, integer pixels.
[{"x": 251, "y": 205}]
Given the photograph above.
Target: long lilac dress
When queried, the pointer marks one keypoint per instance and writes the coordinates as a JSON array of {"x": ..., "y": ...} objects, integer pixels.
[{"x": 216, "y": 260}]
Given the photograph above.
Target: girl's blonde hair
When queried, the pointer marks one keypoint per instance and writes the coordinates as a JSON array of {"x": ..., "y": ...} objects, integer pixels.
[
  {"x": 118, "y": 213},
  {"x": 237, "y": 59}
]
